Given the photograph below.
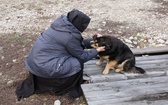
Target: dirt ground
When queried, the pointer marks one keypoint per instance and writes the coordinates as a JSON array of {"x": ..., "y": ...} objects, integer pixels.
[{"x": 139, "y": 23}]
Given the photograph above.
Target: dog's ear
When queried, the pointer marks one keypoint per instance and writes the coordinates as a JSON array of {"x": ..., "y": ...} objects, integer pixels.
[
  {"x": 95, "y": 37},
  {"x": 107, "y": 45}
]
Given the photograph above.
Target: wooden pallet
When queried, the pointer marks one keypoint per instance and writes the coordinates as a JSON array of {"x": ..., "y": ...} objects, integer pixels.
[{"x": 128, "y": 88}]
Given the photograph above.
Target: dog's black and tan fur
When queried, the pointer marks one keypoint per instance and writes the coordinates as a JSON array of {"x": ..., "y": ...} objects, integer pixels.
[{"x": 117, "y": 54}]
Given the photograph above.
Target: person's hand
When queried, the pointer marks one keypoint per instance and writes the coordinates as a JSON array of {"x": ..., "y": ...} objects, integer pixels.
[
  {"x": 100, "y": 49},
  {"x": 98, "y": 35}
]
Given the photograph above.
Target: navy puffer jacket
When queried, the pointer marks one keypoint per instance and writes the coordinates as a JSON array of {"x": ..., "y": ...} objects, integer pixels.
[{"x": 56, "y": 50}]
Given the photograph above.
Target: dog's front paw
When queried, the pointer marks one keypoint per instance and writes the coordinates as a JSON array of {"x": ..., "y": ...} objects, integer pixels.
[
  {"x": 98, "y": 63},
  {"x": 105, "y": 72},
  {"x": 118, "y": 70}
]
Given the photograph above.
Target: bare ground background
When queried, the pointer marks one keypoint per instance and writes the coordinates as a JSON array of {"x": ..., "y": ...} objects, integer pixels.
[{"x": 139, "y": 23}]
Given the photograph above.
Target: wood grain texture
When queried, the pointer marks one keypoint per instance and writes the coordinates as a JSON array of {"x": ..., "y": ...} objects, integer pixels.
[{"x": 129, "y": 88}]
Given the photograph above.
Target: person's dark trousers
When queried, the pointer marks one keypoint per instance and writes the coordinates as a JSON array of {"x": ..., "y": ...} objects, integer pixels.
[
  {"x": 35, "y": 84},
  {"x": 70, "y": 85},
  {"x": 26, "y": 88}
]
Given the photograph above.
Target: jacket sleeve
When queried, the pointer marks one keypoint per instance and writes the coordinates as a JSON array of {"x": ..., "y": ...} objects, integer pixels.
[
  {"x": 75, "y": 49},
  {"x": 86, "y": 43}
]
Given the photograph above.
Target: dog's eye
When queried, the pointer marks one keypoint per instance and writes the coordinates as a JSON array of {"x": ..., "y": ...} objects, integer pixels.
[
  {"x": 103, "y": 44},
  {"x": 107, "y": 46}
]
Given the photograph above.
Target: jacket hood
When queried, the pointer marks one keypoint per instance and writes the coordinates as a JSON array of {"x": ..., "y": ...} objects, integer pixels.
[
  {"x": 78, "y": 19},
  {"x": 64, "y": 25}
]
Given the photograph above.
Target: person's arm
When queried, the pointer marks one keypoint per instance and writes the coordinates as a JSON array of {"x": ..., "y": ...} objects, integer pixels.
[
  {"x": 75, "y": 49},
  {"x": 87, "y": 44}
]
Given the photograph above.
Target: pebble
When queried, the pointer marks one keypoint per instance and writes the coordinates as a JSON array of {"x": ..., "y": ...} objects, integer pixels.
[
  {"x": 45, "y": 99},
  {"x": 9, "y": 83},
  {"x": 7, "y": 18},
  {"x": 135, "y": 38},
  {"x": 57, "y": 102},
  {"x": 14, "y": 60},
  {"x": 166, "y": 42},
  {"x": 1, "y": 48},
  {"x": 24, "y": 49},
  {"x": 12, "y": 45},
  {"x": 103, "y": 23},
  {"x": 161, "y": 41},
  {"x": 128, "y": 41},
  {"x": 110, "y": 31},
  {"x": 131, "y": 38},
  {"x": 99, "y": 29},
  {"x": 130, "y": 45},
  {"x": 2, "y": 57},
  {"x": 135, "y": 42},
  {"x": 151, "y": 41},
  {"x": 159, "y": 45},
  {"x": 0, "y": 74}
]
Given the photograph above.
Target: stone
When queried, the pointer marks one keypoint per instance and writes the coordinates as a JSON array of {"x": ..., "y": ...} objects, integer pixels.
[
  {"x": 128, "y": 41},
  {"x": 103, "y": 23},
  {"x": 10, "y": 83},
  {"x": 135, "y": 42},
  {"x": 131, "y": 38},
  {"x": 1, "y": 49},
  {"x": 57, "y": 102},
  {"x": 99, "y": 29},
  {"x": 166, "y": 42},
  {"x": 161, "y": 41},
  {"x": 14, "y": 60},
  {"x": 2, "y": 57}
]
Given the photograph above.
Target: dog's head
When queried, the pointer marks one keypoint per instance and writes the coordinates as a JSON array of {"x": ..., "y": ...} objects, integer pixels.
[{"x": 101, "y": 41}]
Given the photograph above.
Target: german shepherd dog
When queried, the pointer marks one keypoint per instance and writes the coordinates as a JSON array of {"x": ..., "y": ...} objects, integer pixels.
[{"x": 117, "y": 54}]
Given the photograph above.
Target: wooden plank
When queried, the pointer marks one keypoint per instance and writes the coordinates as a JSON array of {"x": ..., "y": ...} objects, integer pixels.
[
  {"x": 94, "y": 78},
  {"x": 107, "y": 78},
  {"x": 160, "y": 61},
  {"x": 145, "y": 102},
  {"x": 154, "y": 67},
  {"x": 119, "y": 77},
  {"x": 128, "y": 88},
  {"x": 141, "y": 102},
  {"x": 93, "y": 71},
  {"x": 151, "y": 57},
  {"x": 124, "y": 84},
  {"x": 148, "y": 66},
  {"x": 120, "y": 91},
  {"x": 142, "y": 62},
  {"x": 138, "y": 59},
  {"x": 147, "y": 75},
  {"x": 153, "y": 50},
  {"x": 149, "y": 63},
  {"x": 138, "y": 93}
]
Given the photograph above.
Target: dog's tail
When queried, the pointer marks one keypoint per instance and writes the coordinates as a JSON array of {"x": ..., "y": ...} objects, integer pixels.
[{"x": 134, "y": 69}]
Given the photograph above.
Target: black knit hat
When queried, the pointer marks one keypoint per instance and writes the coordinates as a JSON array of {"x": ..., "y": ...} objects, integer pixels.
[{"x": 78, "y": 19}]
